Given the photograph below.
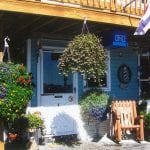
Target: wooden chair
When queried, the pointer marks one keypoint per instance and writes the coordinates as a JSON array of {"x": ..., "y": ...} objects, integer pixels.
[{"x": 125, "y": 120}]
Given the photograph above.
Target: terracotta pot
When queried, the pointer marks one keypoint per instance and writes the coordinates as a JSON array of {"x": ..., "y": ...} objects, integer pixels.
[{"x": 12, "y": 136}]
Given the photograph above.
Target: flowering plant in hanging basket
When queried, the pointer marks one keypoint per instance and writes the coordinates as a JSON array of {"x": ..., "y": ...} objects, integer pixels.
[
  {"x": 15, "y": 92},
  {"x": 85, "y": 54}
]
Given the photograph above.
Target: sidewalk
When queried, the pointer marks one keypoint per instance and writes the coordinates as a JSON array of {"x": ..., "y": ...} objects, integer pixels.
[{"x": 104, "y": 144}]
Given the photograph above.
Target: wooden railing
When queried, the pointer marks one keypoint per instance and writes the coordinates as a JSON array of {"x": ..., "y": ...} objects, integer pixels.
[{"x": 132, "y": 7}]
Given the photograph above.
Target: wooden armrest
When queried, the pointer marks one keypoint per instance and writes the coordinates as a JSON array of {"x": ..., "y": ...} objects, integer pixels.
[{"x": 139, "y": 117}]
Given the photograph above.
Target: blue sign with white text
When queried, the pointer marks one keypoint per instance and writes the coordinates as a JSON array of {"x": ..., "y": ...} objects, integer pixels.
[{"x": 119, "y": 38}]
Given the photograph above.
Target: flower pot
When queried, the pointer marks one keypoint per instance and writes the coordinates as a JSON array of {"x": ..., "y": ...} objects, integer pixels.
[
  {"x": 12, "y": 136},
  {"x": 32, "y": 130}
]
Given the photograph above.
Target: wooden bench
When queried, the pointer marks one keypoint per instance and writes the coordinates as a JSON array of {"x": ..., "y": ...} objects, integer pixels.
[{"x": 125, "y": 120}]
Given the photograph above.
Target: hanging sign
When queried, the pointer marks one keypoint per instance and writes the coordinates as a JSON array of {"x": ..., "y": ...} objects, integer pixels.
[
  {"x": 115, "y": 38},
  {"x": 119, "y": 38}
]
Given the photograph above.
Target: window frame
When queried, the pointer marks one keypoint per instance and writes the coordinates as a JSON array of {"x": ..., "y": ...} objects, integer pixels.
[{"x": 108, "y": 78}]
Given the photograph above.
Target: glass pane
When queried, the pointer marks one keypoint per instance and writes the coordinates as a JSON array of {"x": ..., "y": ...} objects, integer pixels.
[
  {"x": 53, "y": 81},
  {"x": 92, "y": 83},
  {"x": 145, "y": 74}
]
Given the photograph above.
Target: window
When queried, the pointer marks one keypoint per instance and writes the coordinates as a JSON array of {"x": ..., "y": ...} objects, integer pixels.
[
  {"x": 53, "y": 81},
  {"x": 105, "y": 83}
]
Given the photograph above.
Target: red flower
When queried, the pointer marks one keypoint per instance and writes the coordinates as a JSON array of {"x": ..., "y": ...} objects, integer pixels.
[
  {"x": 20, "y": 79},
  {"x": 29, "y": 81}
]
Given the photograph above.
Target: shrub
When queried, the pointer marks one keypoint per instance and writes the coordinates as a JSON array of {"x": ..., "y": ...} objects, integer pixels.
[{"x": 34, "y": 121}]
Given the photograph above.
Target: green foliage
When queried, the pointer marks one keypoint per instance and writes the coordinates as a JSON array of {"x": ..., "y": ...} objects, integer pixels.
[
  {"x": 147, "y": 120},
  {"x": 84, "y": 54},
  {"x": 93, "y": 99},
  {"x": 95, "y": 104},
  {"x": 15, "y": 91},
  {"x": 34, "y": 121}
]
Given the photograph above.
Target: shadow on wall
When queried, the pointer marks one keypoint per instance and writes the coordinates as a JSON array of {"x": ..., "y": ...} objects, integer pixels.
[{"x": 64, "y": 128}]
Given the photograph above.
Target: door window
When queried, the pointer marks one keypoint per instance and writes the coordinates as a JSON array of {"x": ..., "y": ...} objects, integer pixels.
[{"x": 53, "y": 81}]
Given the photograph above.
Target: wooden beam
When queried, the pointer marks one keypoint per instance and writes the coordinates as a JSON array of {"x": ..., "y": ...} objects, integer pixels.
[
  {"x": 27, "y": 25},
  {"x": 1, "y": 132},
  {"x": 69, "y": 12},
  {"x": 44, "y": 24},
  {"x": 64, "y": 27}
]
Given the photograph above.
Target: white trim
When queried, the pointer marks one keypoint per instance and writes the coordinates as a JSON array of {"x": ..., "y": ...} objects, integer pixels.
[
  {"x": 39, "y": 78},
  {"x": 108, "y": 88},
  {"x": 28, "y": 59},
  {"x": 41, "y": 71},
  {"x": 52, "y": 49},
  {"x": 75, "y": 86}
]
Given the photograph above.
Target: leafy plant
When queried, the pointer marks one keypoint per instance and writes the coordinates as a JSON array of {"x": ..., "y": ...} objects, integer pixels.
[
  {"x": 15, "y": 91},
  {"x": 146, "y": 124},
  {"x": 84, "y": 54},
  {"x": 95, "y": 104},
  {"x": 34, "y": 121},
  {"x": 147, "y": 120}
]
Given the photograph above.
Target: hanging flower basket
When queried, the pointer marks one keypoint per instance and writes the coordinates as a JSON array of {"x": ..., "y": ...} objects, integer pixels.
[{"x": 85, "y": 54}]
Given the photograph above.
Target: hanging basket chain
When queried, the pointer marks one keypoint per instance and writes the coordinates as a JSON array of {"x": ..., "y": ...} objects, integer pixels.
[{"x": 85, "y": 27}]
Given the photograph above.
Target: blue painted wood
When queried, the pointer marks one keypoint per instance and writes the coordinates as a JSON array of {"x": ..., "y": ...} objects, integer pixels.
[
  {"x": 80, "y": 86},
  {"x": 34, "y": 59},
  {"x": 34, "y": 51},
  {"x": 117, "y": 58},
  {"x": 119, "y": 91}
]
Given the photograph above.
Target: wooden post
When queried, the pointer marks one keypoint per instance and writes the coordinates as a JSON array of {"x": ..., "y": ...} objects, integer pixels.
[
  {"x": 1, "y": 136},
  {"x": 141, "y": 128},
  {"x": 118, "y": 128},
  {"x": 1, "y": 56}
]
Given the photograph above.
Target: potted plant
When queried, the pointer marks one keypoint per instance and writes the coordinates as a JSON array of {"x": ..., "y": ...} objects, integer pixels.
[
  {"x": 94, "y": 103},
  {"x": 12, "y": 136},
  {"x": 34, "y": 122}
]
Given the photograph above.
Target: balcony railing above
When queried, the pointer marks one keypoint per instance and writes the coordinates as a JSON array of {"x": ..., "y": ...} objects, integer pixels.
[{"x": 132, "y": 7}]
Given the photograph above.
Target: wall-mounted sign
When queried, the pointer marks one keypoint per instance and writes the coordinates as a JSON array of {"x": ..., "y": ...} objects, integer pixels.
[
  {"x": 115, "y": 38},
  {"x": 119, "y": 38},
  {"x": 124, "y": 74}
]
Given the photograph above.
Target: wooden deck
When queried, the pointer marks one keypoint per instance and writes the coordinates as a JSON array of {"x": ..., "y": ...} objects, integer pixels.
[{"x": 119, "y": 12}]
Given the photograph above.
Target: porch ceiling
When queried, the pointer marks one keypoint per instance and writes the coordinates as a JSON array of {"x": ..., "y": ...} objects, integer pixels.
[
  {"x": 20, "y": 26},
  {"x": 29, "y": 25}
]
